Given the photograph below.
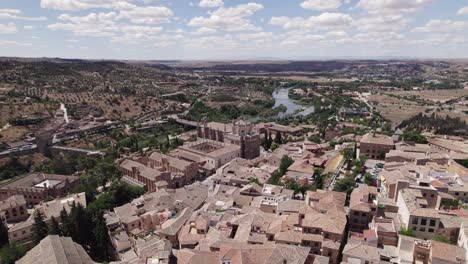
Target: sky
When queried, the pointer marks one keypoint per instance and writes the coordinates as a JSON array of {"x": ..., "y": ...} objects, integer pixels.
[{"x": 233, "y": 29}]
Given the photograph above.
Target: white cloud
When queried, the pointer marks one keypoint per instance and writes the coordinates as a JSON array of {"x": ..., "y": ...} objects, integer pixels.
[
  {"x": 17, "y": 14},
  {"x": 92, "y": 25},
  {"x": 230, "y": 19},
  {"x": 13, "y": 43},
  {"x": 29, "y": 27},
  {"x": 441, "y": 39},
  {"x": 392, "y": 6},
  {"x": 320, "y": 22},
  {"x": 106, "y": 25},
  {"x": 463, "y": 11},
  {"x": 382, "y": 23},
  {"x": 204, "y": 31},
  {"x": 71, "y": 5},
  {"x": 383, "y": 38},
  {"x": 9, "y": 28},
  {"x": 210, "y": 3},
  {"x": 321, "y": 5},
  {"x": 111, "y": 25},
  {"x": 298, "y": 39},
  {"x": 147, "y": 15},
  {"x": 443, "y": 26}
]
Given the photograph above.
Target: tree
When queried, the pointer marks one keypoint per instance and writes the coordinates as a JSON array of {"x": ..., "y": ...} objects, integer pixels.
[
  {"x": 442, "y": 238},
  {"x": 406, "y": 232},
  {"x": 104, "y": 172},
  {"x": 286, "y": 161},
  {"x": 274, "y": 146},
  {"x": 368, "y": 179},
  {"x": 450, "y": 203},
  {"x": 278, "y": 139},
  {"x": 314, "y": 139},
  {"x": 82, "y": 223},
  {"x": 344, "y": 185},
  {"x": 3, "y": 233},
  {"x": 9, "y": 254},
  {"x": 348, "y": 154},
  {"x": 118, "y": 194},
  {"x": 275, "y": 178},
  {"x": 54, "y": 228},
  {"x": 293, "y": 185},
  {"x": 100, "y": 249},
  {"x": 254, "y": 180},
  {"x": 67, "y": 226},
  {"x": 40, "y": 228},
  {"x": 304, "y": 188},
  {"x": 267, "y": 141},
  {"x": 414, "y": 136}
]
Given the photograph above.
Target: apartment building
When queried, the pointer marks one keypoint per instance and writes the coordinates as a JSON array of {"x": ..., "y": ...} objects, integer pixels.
[
  {"x": 362, "y": 207},
  {"x": 375, "y": 146},
  {"x": 22, "y": 232},
  {"x": 13, "y": 209},
  {"x": 143, "y": 175},
  {"x": 36, "y": 187}
]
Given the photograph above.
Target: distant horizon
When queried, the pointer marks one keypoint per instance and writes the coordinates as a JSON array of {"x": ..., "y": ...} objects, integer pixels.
[
  {"x": 348, "y": 58},
  {"x": 234, "y": 29}
]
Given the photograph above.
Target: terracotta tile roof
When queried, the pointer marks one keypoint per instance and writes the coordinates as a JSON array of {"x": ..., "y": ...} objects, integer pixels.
[
  {"x": 372, "y": 138},
  {"x": 56, "y": 250},
  {"x": 12, "y": 201},
  {"x": 447, "y": 253},
  {"x": 360, "y": 250}
]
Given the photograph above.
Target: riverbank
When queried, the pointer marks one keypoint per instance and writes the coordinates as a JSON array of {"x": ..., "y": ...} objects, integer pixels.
[{"x": 281, "y": 97}]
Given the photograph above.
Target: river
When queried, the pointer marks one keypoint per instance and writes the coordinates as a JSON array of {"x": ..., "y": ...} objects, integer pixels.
[{"x": 281, "y": 97}]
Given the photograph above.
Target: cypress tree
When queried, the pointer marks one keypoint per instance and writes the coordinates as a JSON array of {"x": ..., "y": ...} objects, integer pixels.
[
  {"x": 40, "y": 228},
  {"x": 54, "y": 227},
  {"x": 83, "y": 225},
  {"x": 3, "y": 233},
  {"x": 101, "y": 240},
  {"x": 278, "y": 139},
  {"x": 64, "y": 219}
]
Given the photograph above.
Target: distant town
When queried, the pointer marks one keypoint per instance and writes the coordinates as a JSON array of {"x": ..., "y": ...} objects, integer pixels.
[{"x": 330, "y": 162}]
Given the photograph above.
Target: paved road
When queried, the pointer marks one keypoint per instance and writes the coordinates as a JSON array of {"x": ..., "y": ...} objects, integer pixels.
[{"x": 336, "y": 174}]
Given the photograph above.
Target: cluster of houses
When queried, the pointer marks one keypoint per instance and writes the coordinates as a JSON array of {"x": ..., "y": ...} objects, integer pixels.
[{"x": 210, "y": 201}]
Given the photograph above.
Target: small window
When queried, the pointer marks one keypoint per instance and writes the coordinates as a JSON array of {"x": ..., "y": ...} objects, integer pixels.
[
  {"x": 423, "y": 221},
  {"x": 431, "y": 230},
  {"x": 415, "y": 221},
  {"x": 432, "y": 222},
  {"x": 422, "y": 229}
]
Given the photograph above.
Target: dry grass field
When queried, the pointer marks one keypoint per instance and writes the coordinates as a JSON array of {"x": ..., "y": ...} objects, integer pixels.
[
  {"x": 397, "y": 113},
  {"x": 14, "y": 133},
  {"x": 397, "y": 109},
  {"x": 115, "y": 106},
  {"x": 435, "y": 95}
]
